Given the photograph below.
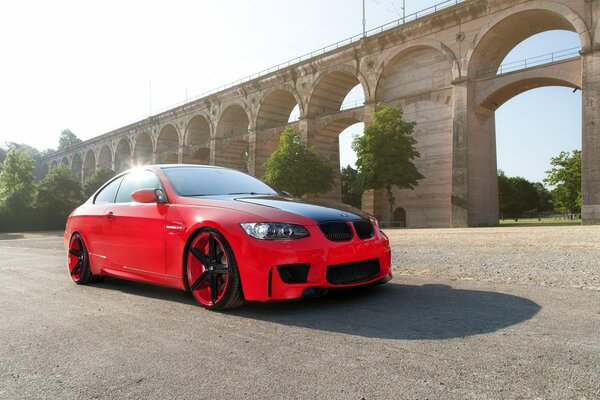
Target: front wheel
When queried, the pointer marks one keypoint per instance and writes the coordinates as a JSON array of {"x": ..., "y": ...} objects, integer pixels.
[
  {"x": 79, "y": 261},
  {"x": 211, "y": 271}
]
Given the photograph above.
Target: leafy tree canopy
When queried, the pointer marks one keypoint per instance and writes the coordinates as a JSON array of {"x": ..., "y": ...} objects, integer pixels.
[
  {"x": 351, "y": 194},
  {"x": 516, "y": 196},
  {"x": 565, "y": 175},
  {"x": 97, "y": 179},
  {"x": 59, "y": 192},
  {"x": 386, "y": 151},
  {"x": 2, "y": 155},
  {"x": 16, "y": 181},
  {"x": 66, "y": 139},
  {"x": 296, "y": 168}
]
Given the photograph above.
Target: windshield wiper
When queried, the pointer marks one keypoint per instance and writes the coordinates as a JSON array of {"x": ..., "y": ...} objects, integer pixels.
[{"x": 252, "y": 193}]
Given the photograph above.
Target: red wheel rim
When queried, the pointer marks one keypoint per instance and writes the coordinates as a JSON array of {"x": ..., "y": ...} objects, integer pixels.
[
  {"x": 207, "y": 269},
  {"x": 76, "y": 258}
]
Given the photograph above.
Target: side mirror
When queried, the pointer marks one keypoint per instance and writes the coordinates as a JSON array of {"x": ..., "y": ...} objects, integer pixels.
[
  {"x": 145, "y": 196},
  {"x": 286, "y": 194}
]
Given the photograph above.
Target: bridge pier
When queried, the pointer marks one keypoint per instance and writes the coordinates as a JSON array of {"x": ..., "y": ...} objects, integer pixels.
[{"x": 590, "y": 163}]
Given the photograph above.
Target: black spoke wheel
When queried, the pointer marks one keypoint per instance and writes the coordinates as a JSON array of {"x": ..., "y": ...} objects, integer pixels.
[
  {"x": 78, "y": 261},
  {"x": 211, "y": 271}
]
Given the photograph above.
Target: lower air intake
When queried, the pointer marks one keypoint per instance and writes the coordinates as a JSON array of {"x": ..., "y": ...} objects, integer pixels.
[{"x": 354, "y": 272}]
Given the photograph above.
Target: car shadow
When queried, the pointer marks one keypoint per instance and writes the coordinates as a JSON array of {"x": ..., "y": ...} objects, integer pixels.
[
  {"x": 390, "y": 311},
  {"x": 396, "y": 311}
]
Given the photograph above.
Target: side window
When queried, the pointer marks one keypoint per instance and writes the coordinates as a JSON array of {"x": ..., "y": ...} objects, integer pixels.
[
  {"x": 107, "y": 195},
  {"x": 135, "y": 181}
]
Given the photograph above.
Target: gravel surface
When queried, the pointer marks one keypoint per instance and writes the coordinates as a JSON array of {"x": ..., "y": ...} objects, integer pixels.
[
  {"x": 564, "y": 256},
  {"x": 460, "y": 320}
]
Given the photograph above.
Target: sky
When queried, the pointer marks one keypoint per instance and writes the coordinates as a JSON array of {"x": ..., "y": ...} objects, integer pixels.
[{"x": 88, "y": 65}]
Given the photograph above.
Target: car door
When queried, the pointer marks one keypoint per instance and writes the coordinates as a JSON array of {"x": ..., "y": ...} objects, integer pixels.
[
  {"x": 134, "y": 233},
  {"x": 95, "y": 219}
]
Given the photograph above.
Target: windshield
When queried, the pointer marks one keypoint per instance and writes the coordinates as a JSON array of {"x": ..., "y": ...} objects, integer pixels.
[{"x": 201, "y": 181}]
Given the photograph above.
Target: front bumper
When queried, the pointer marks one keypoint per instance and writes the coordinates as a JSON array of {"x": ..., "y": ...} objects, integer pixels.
[{"x": 258, "y": 263}]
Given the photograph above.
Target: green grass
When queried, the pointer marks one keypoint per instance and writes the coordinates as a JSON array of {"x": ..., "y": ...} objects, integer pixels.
[{"x": 544, "y": 222}]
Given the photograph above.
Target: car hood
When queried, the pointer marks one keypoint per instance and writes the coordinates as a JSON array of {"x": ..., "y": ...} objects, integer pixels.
[{"x": 319, "y": 211}]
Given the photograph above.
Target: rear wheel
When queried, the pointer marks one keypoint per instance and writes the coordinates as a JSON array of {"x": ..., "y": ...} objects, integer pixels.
[
  {"x": 211, "y": 271},
  {"x": 79, "y": 261}
]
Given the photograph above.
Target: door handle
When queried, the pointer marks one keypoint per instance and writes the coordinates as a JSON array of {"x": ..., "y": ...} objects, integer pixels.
[{"x": 109, "y": 215}]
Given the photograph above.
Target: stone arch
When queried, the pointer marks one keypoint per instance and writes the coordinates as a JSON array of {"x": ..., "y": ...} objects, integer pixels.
[
  {"x": 233, "y": 121},
  {"x": 105, "y": 157},
  {"x": 422, "y": 43},
  {"x": 64, "y": 161},
  {"x": 276, "y": 106},
  {"x": 496, "y": 95},
  {"x": 122, "y": 155},
  {"x": 197, "y": 141},
  {"x": 143, "y": 149},
  {"x": 331, "y": 87},
  {"x": 76, "y": 165},
  {"x": 54, "y": 164},
  {"x": 167, "y": 145},
  {"x": 415, "y": 70},
  {"x": 89, "y": 163},
  {"x": 499, "y": 36},
  {"x": 232, "y": 138}
]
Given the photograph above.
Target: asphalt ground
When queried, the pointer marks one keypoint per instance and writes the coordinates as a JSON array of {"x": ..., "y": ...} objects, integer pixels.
[{"x": 446, "y": 327}]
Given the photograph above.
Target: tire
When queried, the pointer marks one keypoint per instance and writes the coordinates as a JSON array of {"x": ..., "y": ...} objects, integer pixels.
[
  {"x": 211, "y": 272},
  {"x": 78, "y": 261}
]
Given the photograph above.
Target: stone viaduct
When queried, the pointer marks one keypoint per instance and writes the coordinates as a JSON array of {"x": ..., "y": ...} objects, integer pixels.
[{"x": 441, "y": 68}]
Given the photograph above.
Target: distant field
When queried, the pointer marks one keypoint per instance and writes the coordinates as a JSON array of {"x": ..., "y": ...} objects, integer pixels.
[{"x": 545, "y": 222}]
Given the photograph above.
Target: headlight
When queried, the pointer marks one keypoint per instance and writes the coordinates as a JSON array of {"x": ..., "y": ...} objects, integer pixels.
[{"x": 274, "y": 231}]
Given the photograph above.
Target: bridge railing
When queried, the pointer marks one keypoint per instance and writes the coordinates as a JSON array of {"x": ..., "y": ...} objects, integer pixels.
[{"x": 530, "y": 62}]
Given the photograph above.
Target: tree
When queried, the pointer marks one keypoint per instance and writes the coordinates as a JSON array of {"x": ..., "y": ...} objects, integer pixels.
[
  {"x": 516, "y": 196},
  {"x": 2, "y": 155},
  {"x": 296, "y": 168},
  {"x": 351, "y": 194},
  {"x": 566, "y": 177},
  {"x": 17, "y": 189},
  {"x": 544, "y": 201},
  {"x": 67, "y": 139},
  {"x": 58, "y": 194},
  {"x": 386, "y": 152},
  {"x": 97, "y": 179}
]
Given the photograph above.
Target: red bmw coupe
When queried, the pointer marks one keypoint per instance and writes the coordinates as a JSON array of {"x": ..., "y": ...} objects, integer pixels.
[{"x": 223, "y": 235}]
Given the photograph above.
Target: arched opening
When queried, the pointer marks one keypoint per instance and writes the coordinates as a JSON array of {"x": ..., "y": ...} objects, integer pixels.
[
  {"x": 399, "y": 218},
  {"x": 105, "y": 157},
  {"x": 276, "y": 110},
  {"x": 167, "y": 146},
  {"x": 122, "y": 156},
  {"x": 89, "y": 165},
  {"x": 508, "y": 64},
  {"x": 232, "y": 139},
  {"x": 76, "y": 166},
  {"x": 331, "y": 92},
  {"x": 418, "y": 79},
  {"x": 142, "y": 153},
  {"x": 279, "y": 109},
  {"x": 327, "y": 142},
  {"x": 197, "y": 141},
  {"x": 64, "y": 161},
  {"x": 542, "y": 132},
  {"x": 354, "y": 98}
]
